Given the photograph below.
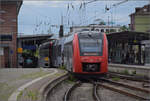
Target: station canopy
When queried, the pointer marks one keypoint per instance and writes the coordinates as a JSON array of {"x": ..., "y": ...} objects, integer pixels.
[{"x": 128, "y": 36}]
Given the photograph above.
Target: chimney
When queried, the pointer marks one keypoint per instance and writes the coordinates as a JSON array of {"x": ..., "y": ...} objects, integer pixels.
[{"x": 61, "y": 31}]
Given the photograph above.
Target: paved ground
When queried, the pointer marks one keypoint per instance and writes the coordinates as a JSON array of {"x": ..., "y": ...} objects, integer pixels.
[
  {"x": 32, "y": 93},
  {"x": 11, "y": 79}
]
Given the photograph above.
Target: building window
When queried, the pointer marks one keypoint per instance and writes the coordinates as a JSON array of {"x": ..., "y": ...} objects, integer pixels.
[
  {"x": 107, "y": 30},
  {"x": 97, "y": 30},
  {"x": 102, "y": 30},
  {"x": 5, "y": 37},
  {"x": 85, "y": 30}
]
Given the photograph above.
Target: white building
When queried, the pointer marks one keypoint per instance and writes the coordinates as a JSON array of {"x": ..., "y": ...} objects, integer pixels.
[{"x": 93, "y": 27}]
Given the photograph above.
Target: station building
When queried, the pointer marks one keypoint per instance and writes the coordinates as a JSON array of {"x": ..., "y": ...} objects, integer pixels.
[
  {"x": 140, "y": 19},
  {"x": 132, "y": 47},
  {"x": 140, "y": 22},
  {"x": 129, "y": 47},
  {"x": 9, "y": 11},
  {"x": 28, "y": 47}
]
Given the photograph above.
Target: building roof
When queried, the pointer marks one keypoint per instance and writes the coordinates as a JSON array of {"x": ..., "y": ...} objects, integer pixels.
[
  {"x": 142, "y": 10},
  {"x": 18, "y": 2},
  {"x": 128, "y": 35},
  {"x": 34, "y": 36}
]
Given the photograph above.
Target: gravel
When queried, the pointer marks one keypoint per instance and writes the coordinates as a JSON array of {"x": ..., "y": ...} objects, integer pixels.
[
  {"x": 108, "y": 95},
  {"x": 58, "y": 93}
]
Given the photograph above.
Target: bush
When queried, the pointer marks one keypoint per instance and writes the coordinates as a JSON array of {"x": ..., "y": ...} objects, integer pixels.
[{"x": 126, "y": 72}]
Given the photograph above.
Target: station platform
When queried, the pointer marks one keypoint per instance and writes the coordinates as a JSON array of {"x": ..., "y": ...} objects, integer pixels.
[
  {"x": 13, "y": 81},
  {"x": 130, "y": 69}
]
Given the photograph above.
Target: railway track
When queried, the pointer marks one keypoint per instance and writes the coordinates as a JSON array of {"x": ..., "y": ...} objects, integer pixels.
[
  {"x": 114, "y": 86},
  {"x": 52, "y": 85},
  {"x": 126, "y": 85},
  {"x": 106, "y": 83},
  {"x": 129, "y": 77},
  {"x": 68, "y": 93},
  {"x": 95, "y": 93}
]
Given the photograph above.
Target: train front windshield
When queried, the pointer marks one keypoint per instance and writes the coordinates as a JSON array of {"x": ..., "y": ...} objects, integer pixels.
[
  {"x": 44, "y": 50},
  {"x": 91, "y": 45}
]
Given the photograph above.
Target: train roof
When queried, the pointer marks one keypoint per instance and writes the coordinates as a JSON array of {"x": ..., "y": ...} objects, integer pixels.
[
  {"x": 89, "y": 32},
  {"x": 68, "y": 38}
]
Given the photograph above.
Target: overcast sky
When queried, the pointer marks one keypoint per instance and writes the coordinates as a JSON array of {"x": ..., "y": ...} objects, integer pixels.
[{"x": 36, "y": 17}]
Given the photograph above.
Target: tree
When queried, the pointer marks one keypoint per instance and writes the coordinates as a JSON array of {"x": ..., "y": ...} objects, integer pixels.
[
  {"x": 102, "y": 23},
  {"x": 124, "y": 28}
]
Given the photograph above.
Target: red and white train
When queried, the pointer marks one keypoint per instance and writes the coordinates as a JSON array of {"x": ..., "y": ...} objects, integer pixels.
[
  {"x": 82, "y": 53},
  {"x": 86, "y": 53}
]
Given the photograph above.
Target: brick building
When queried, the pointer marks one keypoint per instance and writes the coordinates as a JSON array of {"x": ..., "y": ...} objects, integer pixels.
[{"x": 8, "y": 32}]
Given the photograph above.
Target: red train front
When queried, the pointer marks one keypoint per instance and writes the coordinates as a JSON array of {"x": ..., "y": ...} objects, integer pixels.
[{"x": 86, "y": 53}]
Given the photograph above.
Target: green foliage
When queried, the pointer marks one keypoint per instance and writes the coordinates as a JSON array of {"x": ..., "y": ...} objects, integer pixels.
[
  {"x": 71, "y": 78},
  {"x": 134, "y": 72},
  {"x": 102, "y": 23},
  {"x": 112, "y": 30},
  {"x": 126, "y": 72},
  {"x": 62, "y": 67},
  {"x": 124, "y": 28},
  {"x": 36, "y": 54},
  {"x": 33, "y": 95},
  {"x": 26, "y": 51},
  {"x": 69, "y": 81},
  {"x": 20, "y": 95},
  {"x": 5, "y": 90},
  {"x": 116, "y": 79}
]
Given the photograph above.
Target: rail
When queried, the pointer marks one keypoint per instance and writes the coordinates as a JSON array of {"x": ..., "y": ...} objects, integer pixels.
[
  {"x": 68, "y": 93},
  {"x": 123, "y": 92},
  {"x": 127, "y": 85},
  {"x": 129, "y": 77},
  {"x": 47, "y": 89},
  {"x": 95, "y": 94}
]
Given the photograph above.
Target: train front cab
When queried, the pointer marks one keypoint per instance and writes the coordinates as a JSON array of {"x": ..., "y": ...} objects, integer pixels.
[{"x": 90, "y": 63}]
